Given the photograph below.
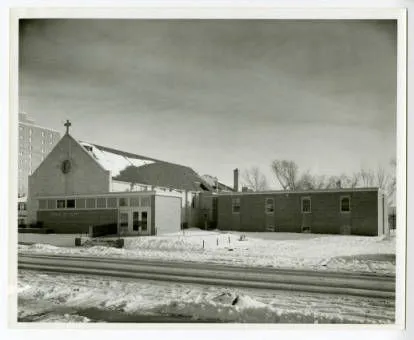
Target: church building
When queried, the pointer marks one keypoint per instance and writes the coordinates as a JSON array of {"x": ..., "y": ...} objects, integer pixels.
[
  {"x": 87, "y": 188},
  {"x": 80, "y": 185}
]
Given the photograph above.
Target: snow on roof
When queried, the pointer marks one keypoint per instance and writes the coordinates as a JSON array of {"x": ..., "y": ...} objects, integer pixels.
[
  {"x": 210, "y": 179},
  {"x": 213, "y": 182},
  {"x": 113, "y": 162},
  {"x": 132, "y": 168}
]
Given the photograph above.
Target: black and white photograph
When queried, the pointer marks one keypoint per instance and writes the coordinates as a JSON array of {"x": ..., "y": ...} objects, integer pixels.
[{"x": 209, "y": 171}]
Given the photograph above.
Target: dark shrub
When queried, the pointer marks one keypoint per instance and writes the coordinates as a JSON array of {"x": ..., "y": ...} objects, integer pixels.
[
  {"x": 212, "y": 225},
  {"x": 119, "y": 243}
]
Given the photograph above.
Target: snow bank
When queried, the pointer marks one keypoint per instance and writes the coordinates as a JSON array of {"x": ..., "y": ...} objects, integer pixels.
[
  {"x": 278, "y": 250},
  {"x": 79, "y": 293}
]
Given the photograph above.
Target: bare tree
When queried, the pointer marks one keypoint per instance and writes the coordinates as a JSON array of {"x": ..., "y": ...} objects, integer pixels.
[
  {"x": 367, "y": 177},
  {"x": 392, "y": 183},
  {"x": 286, "y": 173},
  {"x": 350, "y": 181},
  {"x": 379, "y": 178},
  {"x": 332, "y": 182},
  {"x": 382, "y": 178},
  {"x": 310, "y": 182},
  {"x": 254, "y": 179}
]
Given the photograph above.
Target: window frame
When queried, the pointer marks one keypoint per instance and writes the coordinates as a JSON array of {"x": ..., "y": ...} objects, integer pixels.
[
  {"x": 74, "y": 203},
  {"x": 233, "y": 200},
  {"x": 111, "y": 203},
  {"x": 101, "y": 200},
  {"x": 135, "y": 220},
  {"x": 123, "y": 199},
  {"x": 89, "y": 200},
  {"x": 144, "y": 226},
  {"x": 80, "y": 203},
  {"x": 60, "y": 201},
  {"x": 134, "y": 201},
  {"x": 266, "y": 205},
  {"x": 349, "y": 204},
  {"x": 306, "y": 198},
  {"x": 145, "y": 201},
  {"x": 51, "y": 204}
]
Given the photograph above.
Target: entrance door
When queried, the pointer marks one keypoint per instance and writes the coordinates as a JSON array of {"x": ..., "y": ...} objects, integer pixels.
[
  {"x": 141, "y": 221},
  {"x": 134, "y": 221}
]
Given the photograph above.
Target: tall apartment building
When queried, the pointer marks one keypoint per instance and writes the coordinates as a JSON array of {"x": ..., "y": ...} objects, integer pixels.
[{"x": 35, "y": 142}]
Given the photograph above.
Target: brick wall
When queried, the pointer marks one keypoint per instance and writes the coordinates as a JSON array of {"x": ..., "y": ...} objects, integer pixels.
[{"x": 325, "y": 216}]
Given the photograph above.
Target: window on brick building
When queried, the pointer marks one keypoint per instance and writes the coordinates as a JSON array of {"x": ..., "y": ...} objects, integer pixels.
[
  {"x": 345, "y": 204},
  {"x": 70, "y": 204},
  {"x": 111, "y": 202},
  {"x": 80, "y": 203},
  {"x": 61, "y": 204},
  {"x": 101, "y": 202},
  {"x": 123, "y": 202},
  {"x": 51, "y": 204},
  {"x": 306, "y": 205},
  {"x": 134, "y": 201},
  {"x": 269, "y": 205},
  {"x": 145, "y": 201},
  {"x": 235, "y": 205},
  {"x": 90, "y": 203}
]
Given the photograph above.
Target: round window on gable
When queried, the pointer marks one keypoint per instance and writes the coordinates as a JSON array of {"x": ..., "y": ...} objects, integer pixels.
[{"x": 66, "y": 166}]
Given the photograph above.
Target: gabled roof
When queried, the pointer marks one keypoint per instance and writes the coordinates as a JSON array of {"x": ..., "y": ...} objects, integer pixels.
[{"x": 133, "y": 168}]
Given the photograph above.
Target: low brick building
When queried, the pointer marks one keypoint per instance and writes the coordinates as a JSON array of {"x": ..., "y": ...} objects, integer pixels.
[{"x": 359, "y": 211}]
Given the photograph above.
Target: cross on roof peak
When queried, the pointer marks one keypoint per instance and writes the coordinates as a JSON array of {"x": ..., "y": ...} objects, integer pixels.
[{"x": 67, "y": 124}]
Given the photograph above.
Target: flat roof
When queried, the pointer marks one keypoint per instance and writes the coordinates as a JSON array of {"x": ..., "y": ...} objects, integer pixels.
[
  {"x": 284, "y": 192},
  {"x": 108, "y": 194}
]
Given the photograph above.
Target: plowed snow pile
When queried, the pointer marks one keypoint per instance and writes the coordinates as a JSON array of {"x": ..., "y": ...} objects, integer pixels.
[{"x": 278, "y": 250}]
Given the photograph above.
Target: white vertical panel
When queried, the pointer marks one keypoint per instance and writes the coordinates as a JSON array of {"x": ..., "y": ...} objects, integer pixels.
[{"x": 167, "y": 214}]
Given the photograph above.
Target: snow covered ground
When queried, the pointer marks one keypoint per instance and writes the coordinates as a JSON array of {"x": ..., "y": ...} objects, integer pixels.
[
  {"x": 74, "y": 298},
  {"x": 278, "y": 250}
]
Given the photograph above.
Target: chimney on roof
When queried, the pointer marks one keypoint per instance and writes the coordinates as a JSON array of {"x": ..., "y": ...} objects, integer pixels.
[{"x": 236, "y": 180}]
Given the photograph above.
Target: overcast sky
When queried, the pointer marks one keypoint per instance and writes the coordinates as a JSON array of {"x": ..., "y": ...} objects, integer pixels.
[{"x": 216, "y": 95}]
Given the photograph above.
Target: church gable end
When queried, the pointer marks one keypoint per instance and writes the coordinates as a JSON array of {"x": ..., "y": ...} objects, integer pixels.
[{"x": 68, "y": 170}]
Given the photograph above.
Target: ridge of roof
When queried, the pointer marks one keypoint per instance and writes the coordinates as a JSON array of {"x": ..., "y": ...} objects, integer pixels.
[
  {"x": 128, "y": 176},
  {"x": 133, "y": 155}
]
